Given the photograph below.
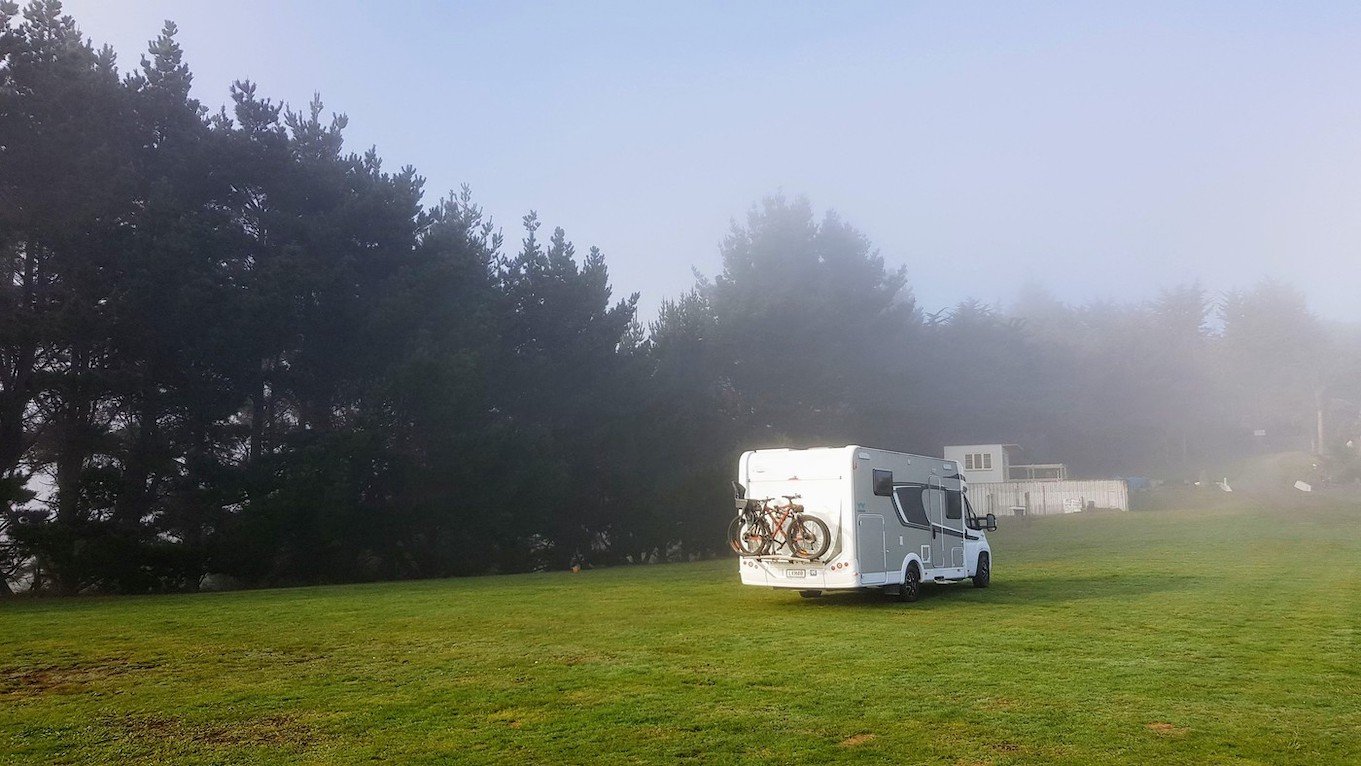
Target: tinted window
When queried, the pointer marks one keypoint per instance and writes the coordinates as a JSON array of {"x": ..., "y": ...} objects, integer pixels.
[
  {"x": 883, "y": 482},
  {"x": 971, "y": 519},
  {"x": 954, "y": 504},
  {"x": 911, "y": 507}
]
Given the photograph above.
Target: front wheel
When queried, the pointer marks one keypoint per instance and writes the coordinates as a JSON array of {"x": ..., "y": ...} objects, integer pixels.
[
  {"x": 809, "y": 537},
  {"x": 982, "y": 575}
]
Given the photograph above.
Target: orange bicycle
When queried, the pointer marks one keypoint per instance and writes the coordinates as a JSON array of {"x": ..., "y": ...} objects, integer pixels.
[{"x": 762, "y": 529}]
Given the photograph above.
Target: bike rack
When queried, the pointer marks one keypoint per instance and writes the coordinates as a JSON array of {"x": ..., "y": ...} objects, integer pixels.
[{"x": 777, "y": 559}]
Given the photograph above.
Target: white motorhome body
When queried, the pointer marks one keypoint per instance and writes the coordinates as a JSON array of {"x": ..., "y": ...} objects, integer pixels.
[{"x": 889, "y": 513}]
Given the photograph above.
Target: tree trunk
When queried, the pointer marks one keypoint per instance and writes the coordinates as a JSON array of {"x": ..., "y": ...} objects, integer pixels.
[
  {"x": 1318, "y": 419},
  {"x": 257, "y": 416},
  {"x": 74, "y": 447},
  {"x": 261, "y": 411},
  {"x": 16, "y": 379},
  {"x": 133, "y": 501}
]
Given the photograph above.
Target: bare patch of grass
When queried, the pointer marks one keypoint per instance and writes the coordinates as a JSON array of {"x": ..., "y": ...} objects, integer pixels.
[
  {"x": 71, "y": 678},
  {"x": 271, "y": 731}
]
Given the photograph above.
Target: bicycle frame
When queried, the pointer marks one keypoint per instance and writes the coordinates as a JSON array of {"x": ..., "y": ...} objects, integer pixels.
[
  {"x": 776, "y": 518},
  {"x": 778, "y": 529}
]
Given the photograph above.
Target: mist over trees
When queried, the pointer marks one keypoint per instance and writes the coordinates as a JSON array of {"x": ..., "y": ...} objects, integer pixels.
[{"x": 229, "y": 345}]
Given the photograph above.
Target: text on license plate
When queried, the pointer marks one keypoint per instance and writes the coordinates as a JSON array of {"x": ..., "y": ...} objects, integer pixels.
[{"x": 795, "y": 573}]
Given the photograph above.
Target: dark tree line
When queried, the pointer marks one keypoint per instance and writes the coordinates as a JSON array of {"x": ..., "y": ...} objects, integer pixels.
[{"x": 228, "y": 345}]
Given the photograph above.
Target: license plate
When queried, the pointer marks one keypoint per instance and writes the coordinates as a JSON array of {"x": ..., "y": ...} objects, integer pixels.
[{"x": 796, "y": 573}]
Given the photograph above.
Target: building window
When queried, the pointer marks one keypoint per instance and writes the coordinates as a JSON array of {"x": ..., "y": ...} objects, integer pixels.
[{"x": 978, "y": 461}]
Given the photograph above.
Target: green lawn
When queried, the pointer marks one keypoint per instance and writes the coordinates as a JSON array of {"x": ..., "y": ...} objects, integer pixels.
[{"x": 1225, "y": 635}]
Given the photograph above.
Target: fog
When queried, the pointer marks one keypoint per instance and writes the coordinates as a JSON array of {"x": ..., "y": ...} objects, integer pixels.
[
  {"x": 241, "y": 342},
  {"x": 833, "y": 300},
  {"x": 1104, "y": 151}
]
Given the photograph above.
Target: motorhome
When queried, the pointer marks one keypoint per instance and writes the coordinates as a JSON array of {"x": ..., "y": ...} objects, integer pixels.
[{"x": 895, "y": 521}]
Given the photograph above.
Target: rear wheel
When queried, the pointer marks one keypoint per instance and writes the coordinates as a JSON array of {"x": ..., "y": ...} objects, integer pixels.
[
  {"x": 911, "y": 589},
  {"x": 810, "y": 593},
  {"x": 982, "y": 576},
  {"x": 748, "y": 537},
  {"x": 809, "y": 537}
]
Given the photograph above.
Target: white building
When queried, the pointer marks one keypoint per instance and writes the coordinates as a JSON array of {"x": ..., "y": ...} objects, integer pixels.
[
  {"x": 982, "y": 462},
  {"x": 1045, "y": 497},
  {"x": 998, "y": 485}
]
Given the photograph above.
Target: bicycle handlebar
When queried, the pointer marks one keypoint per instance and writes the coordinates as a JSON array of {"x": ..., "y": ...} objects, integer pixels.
[{"x": 790, "y": 498}]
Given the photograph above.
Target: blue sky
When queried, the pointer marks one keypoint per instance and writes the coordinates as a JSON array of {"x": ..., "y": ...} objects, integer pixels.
[{"x": 1103, "y": 150}]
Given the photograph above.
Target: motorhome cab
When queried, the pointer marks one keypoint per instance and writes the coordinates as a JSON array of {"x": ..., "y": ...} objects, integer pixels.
[{"x": 895, "y": 520}]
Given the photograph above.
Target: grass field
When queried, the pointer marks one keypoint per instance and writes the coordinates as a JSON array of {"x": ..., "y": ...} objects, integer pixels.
[{"x": 1225, "y": 635}]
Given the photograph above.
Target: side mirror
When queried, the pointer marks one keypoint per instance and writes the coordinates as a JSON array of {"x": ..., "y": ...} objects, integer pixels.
[
  {"x": 992, "y": 522},
  {"x": 738, "y": 491}
]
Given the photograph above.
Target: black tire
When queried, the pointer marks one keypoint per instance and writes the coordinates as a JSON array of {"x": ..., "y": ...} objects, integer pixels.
[
  {"x": 809, "y": 537},
  {"x": 911, "y": 589},
  {"x": 734, "y": 535},
  {"x": 748, "y": 538},
  {"x": 810, "y": 593},
  {"x": 983, "y": 572}
]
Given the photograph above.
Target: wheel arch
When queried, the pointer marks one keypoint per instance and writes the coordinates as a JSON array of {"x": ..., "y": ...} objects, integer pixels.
[
  {"x": 908, "y": 561},
  {"x": 983, "y": 550}
]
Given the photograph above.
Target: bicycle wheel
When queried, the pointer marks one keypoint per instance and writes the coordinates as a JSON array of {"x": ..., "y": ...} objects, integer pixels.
[
  {"x": 748, "y": 537},
  {"x": 735, "y": 534},
  {"x": 809, "y": 537}
]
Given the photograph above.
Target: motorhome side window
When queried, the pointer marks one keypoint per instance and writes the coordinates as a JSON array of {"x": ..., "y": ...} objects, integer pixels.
[
  {"x": 911, "y": 507},
  {"x": 954, "y": 504},
  {"x": 882, "y": 482}
]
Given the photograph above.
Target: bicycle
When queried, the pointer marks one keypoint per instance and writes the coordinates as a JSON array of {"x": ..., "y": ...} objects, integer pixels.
[{"x": 761, "y": 529}]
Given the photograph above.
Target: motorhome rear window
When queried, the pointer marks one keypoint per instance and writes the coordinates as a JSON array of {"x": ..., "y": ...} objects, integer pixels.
[{"x": 911, "y": 506}]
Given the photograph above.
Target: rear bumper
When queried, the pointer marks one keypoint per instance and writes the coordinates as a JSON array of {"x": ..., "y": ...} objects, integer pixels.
[{"x": 779, "y": 572}]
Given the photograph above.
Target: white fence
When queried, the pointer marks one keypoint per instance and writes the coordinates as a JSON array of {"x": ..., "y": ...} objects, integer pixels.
[{"x": 1046, "y": 497}]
